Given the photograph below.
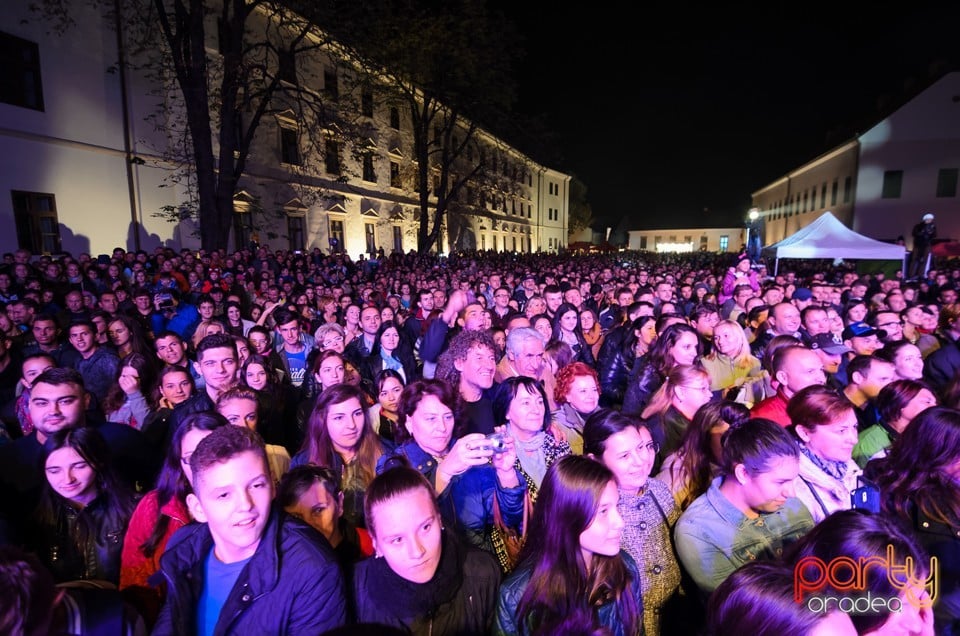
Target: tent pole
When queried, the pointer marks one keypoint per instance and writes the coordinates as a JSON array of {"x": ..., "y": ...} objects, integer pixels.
[{"x": 776, "y": 266}]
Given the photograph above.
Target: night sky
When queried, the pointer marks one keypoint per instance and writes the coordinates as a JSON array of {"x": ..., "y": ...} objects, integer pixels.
[{"x": 674, "y": 117}]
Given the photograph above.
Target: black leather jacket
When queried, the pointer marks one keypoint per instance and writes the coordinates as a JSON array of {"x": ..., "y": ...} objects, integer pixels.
[
  {"x": 615, "y": 361},
  {"x": 71, "y": 554},
  {"x": 641, "y": 386}
]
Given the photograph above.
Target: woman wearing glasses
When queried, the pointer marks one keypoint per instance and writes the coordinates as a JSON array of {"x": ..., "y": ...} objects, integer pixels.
[
  {"x": 649, "y": 511},
  {"x": 673, "y": 406}
]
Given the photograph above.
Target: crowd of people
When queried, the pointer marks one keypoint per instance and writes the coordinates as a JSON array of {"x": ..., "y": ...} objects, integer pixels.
[{"x": 480, "y": 443}]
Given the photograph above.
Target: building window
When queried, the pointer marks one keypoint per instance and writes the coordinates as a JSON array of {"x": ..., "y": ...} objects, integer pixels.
[
  {"x": 336, "y": 235},
  {"x": 20, "y": 83},
  {"x": 295, "y": 232},
  {"x": 823, "y": 195},
  {"x": 398, "y": 239},
  {"x": 287, "y": 66},
  {"x": 395, "y": 118},
  {"x": 724, "y": 242},
  {"x": 643, "y": 242},
  {"x": 483, "y": 241},
  {"x": 494, "y": 242},
  {"x": 366, "y": 102},
  {"x": 395, "y": 175},
  {"x": 703, "y": 243},
  {"x": 848, "y": 189},
  {"x": 330, "y": 84},
  {"x": 892, "y": 184},
  {"x": 331, "y": 157},
  {"x": 38, "y": 229},
  {"x": 289, "y": 146},
  {"x": 369, "y": 174},
  {"x": 370, "y": 233},
  {"x": 514, "y": 243},
  {"x": 947, "y": 182},
  {"x": 833, "y": 192}
]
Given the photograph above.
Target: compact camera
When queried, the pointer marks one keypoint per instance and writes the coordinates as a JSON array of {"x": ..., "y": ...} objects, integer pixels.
[{"x": 495, "y": 443}]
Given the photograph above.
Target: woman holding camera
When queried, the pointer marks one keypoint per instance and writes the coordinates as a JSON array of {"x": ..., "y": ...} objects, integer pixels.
[
  {"x": 467, "y": 472},
  {"x": 521, "y": 404}
]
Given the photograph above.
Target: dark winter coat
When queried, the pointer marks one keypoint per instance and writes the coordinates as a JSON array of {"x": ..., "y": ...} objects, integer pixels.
[
  {"x": 291, "y": 585},
  {"x": 459, "y": 600}
]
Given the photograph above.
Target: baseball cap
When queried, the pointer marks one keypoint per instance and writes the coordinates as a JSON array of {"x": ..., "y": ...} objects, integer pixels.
[
  {"x": 825, "y": 342},
  {"x": 802, "y": 293},
  {"x": 927, "y": 217},
  {"x": 862, "y": 330}
]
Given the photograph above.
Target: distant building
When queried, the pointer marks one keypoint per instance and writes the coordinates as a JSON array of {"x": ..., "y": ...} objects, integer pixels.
[
  {"x": 881, "y": 182},
  {"x": 718, "y": 240},
  {"x": 74, "y": 178}
]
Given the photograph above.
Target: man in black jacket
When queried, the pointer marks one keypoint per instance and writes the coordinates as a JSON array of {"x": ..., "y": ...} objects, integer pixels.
[
  {"x": 246, "y": 567},
  {"x": 923, "y": 234}
]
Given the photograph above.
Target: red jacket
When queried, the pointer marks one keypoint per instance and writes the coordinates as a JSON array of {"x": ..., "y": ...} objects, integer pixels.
[
  {"x": 773, "y": 408},
  {"x": 135, "y": 567}
]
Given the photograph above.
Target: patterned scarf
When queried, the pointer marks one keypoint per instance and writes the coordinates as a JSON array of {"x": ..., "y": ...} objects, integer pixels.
[
  {"x": 531, "y": 456},
  {"x": 837, "y": 470}
]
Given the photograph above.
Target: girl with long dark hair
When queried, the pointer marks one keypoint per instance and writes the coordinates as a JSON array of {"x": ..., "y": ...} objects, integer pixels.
[
  {"x": 567, "y": 328},
  {"x": 677, "y": 344},
  {"x": 573, "y": 578},
  {"x": 387, "y": 388},
  {"x": 340, "y": 435},
  {"x": 622, "y": 348},
  {"x": 84, "y": 508},
  {"x": 390, "y": 350}
]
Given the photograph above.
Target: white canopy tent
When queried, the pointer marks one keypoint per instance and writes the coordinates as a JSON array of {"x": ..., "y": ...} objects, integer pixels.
[{"x": 827, "y": 237}]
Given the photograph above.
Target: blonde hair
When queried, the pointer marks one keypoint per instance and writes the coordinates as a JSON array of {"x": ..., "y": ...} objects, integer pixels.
[
  {"x": 743, "y": 360},
  {"x": 680, "y": 374}
]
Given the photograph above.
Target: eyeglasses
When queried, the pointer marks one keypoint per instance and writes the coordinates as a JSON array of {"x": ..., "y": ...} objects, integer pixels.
[
  {"x": 329, "y": 342},
  {"x": 650, "y": 447}
]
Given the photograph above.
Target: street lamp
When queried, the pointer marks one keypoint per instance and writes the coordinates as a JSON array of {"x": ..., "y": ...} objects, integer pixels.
[{"x": 754, "y": 242}]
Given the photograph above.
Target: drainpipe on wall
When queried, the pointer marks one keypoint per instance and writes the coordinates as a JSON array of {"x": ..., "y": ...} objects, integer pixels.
[{"x": 128, "y": 157}]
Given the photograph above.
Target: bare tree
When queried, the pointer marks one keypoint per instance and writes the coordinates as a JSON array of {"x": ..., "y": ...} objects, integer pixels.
[
  {"x": 212, "y": 104},
  {"x": 449, "y": 66},
  {"x": 580, "y": 213}
]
